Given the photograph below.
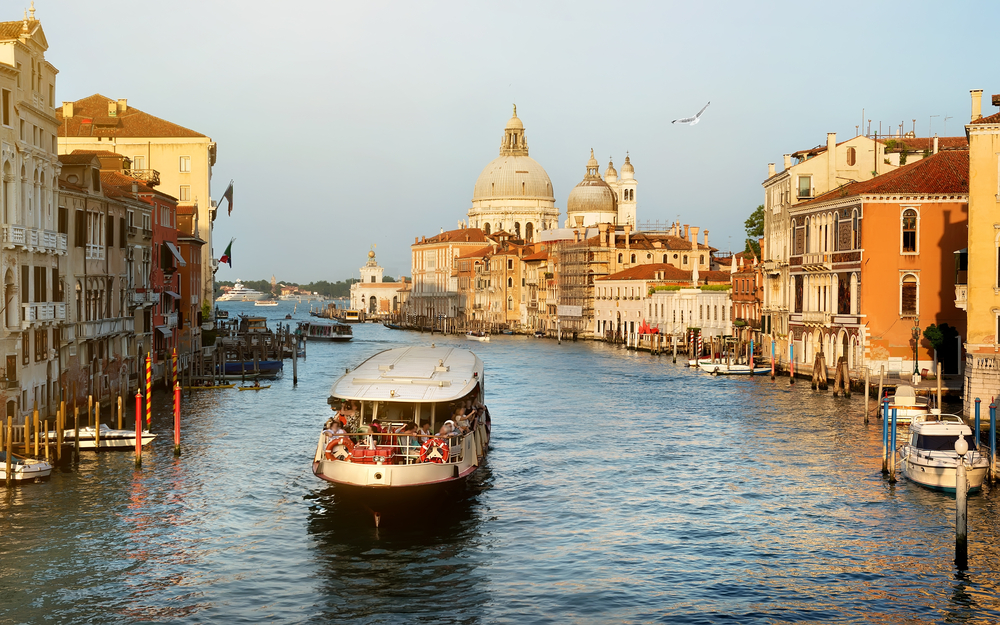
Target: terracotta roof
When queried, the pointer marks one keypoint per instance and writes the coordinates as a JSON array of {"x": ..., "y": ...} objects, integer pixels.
[
  {"x": 942, "y": 173},
  {"x": 478, "y": 253},
  {"x": 99, "y": 153},
  {"x": 543, "y": 255},
  {"x": 120, "y": 180},
  {"x": 992, "y": 119},
  {"x": 713, "y": 276},
  {"x": 12, "y": 30},
  {"x": 130, "y": 123},
  {"x": 648, "y": 272},
  {"x": 78, "y": 159},
  {"x": 462, "y": 235}
]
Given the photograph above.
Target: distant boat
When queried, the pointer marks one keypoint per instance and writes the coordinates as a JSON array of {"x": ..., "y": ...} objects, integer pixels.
[
  {"x": 721, "y": 368},
  {"x": 110, "y": 439},
  {"x": 207, "y": 388},
  {"x": 477, "y": 336},
  {"x": 240, "y": 293},
  {"x": 392, "y": 326},
  {"x": 326, "y": 331},
  {"x": 266, "y": 302},
  {"x": 254, "y": 388}
]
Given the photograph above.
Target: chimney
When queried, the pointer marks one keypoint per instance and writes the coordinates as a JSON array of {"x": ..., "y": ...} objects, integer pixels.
[
  {"x": 685, "y": 231},
  {"x": 67, "y": 109},
  {"x": 935, "y": 144},
  {"x": 831, "y": 160},
  {"x": 694, "y": 255},
  {"x": 977, "y": 104},
  {"x": 112, "y": 109},
  {"x": 788, "y": 161},
  {"x": 416, "y": 240},
  {"x": 706, "y": 237},
  {"x": 628, "y": 240},
  {"x": 122, "y": 106},
  {"x": 770, "y": 169}
]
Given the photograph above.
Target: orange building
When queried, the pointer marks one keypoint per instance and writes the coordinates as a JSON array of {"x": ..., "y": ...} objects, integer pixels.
[{"x": 873, "y": 264}]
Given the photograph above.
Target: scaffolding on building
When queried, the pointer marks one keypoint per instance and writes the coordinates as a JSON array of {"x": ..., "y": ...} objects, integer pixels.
[{"x": 579, "y": 263}]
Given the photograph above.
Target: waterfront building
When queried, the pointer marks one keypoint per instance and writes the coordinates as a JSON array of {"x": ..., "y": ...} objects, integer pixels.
[
  {"x": 623, "y": 300},
  {"x": 513, "y": 192},
  {"x": 674, "y": 311},
  {"x": 872, "y": 264},
  {"x": 434, "y": 294},
  {"x": 33, "y": 263},
  {"x": 539, "y": 278},
  {"x": 979, "y": 295},
  {"x": 373, "y": 296},
  {"x": 191, "y": 307},
  {"x": 746, "y": 295},
  {"x": 815, "y": 172},
  {"x": 163, "y": 154}
]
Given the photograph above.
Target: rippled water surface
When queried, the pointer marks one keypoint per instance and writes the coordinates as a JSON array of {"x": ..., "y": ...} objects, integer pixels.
[{"x": 620, "y": 488}]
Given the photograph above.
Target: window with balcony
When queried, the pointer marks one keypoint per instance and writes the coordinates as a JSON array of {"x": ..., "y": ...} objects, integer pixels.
[{"x": 909, "y": 231}]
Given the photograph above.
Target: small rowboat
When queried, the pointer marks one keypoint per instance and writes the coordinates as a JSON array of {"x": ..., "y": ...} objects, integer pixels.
[
  {"x": 24, "y": 469},
  {"x": 207, "y": 388},
  {"x": 254, "y": 388}
]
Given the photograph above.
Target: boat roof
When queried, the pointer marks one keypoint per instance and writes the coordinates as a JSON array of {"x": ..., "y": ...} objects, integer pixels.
[
  {"x": 941, "y": 425},
  {"x": 422, "y": 374},
  {"x": 904, "y": 390}
]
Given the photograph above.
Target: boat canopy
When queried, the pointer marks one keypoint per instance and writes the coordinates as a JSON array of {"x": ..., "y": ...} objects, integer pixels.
[{"x": 412, "y": 374}]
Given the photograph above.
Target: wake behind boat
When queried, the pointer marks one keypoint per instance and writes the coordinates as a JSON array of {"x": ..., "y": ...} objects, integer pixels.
[{"x": 372, "y": 449}]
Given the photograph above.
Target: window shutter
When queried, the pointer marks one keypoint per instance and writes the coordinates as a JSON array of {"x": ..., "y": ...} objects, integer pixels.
[
  {"x": 908, "y": 296},
  {"x": 80, "y": 229}
]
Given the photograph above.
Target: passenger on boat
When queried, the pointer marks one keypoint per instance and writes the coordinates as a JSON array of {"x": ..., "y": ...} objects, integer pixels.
[
  {"x": 408, "y": 445},
  {"x": 424, "y": 432},
  {"x": 256, "y": 383}
]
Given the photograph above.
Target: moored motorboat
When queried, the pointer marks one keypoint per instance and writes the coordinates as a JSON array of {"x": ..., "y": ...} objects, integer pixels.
[
  {"x": 907, "y": 404},
  {"x": 254, "y": 388},
  {"x": 23, "y": 469},
  {"x": 722, "y": 368},
  {"x": 109, "y": 439},
  {"x": 266, "y": 302},
  {"x": 361, "y": 450},
  {"x": 208, "y": 388},
  {"x": 477, "y": 336},
  {"x": 928, "y": 456}
]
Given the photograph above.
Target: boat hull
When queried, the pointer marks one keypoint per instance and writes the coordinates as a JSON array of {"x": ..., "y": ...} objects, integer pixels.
[
  {"x": 122, "y": 440},
  {"x": 265, "y": 369},
  {"x": 721, "y": 368},
  {"x": 941, "y": 476},
  {"x": 25, "y": 469}
]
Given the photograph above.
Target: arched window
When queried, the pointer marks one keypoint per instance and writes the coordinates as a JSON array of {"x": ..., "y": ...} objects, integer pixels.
[
  {"x": 909, "y": 231},
  {"x": 808, "y": 236},
  {"x": 619, "y": 259},
  {"x": 852, "y": 157},
  {"x": 701, "y": 259},
  {"x": 510, "y": 283},
  {"x": 664, "y": 259},
  {"x": 633, "y": 258},
  {"x": 510, "y": 303},
  {"x": 684, "y": 261},
  {"x": 486, "y": 228},
  {"x": 529, "y": 232},
  {"x": 517, "y": 230},
  {"x": 836, "y": 232},
  {"x": 855, "y": 231}
]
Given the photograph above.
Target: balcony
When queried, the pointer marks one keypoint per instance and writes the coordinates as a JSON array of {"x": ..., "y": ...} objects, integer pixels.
[
  {"x": 34, "y": 239},
  {"x": 170, "y": 320},
  {"x": 42, "y": 311},
  {"x": 132, "y": 231},
  {"x": 147, "y": 233},
  {"x": 150, "y": 177},
  {"x": 104, "y": 327},
  {"x": 95, "y": 252},
  {"x": 816, "y": 318},
  {"x": 817, "y": 262},
  {"x": 962, "y": 296}
]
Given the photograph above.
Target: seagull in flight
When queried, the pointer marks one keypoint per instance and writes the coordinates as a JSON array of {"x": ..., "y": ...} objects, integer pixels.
[{"x": 691, "y": 120}]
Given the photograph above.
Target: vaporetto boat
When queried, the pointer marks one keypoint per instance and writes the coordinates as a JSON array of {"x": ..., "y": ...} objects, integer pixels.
[
  {"x": 929, "y": 458},
  {"x": 360, "y": 450}
]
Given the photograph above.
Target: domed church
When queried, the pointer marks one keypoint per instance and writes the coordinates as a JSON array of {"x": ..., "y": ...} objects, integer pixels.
[
  {"x": 513, "y": 193},
  {"x": 610, "y": 200}
]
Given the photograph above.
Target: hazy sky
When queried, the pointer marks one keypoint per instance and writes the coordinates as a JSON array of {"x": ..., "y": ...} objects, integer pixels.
[{"x": 348, "y": 124}]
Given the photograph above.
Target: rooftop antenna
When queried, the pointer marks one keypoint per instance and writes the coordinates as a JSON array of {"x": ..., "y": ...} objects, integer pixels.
[
  {"x": 914, "y": 128},
  {"x": 946, "y": 125},
  {"x": 930, "y": 125}
]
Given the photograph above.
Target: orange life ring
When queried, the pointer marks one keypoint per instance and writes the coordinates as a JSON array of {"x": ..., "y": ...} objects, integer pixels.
[
  {"x": 340, "y": 440},
  {"x": 434, "y": 450}
]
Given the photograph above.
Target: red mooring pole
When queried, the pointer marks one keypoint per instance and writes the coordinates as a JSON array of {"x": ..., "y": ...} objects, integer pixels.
[
  {"x": 177, "y": 419},
  {"x": 138, "y": 428}
]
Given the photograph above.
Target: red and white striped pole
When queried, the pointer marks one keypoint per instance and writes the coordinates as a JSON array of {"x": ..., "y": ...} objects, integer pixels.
[
  {"x": 173, "y": 362},
  {"x": 149, "y": 392},
  {"x": 177, "y": 419},
  {"x": 138, "y": 428}
]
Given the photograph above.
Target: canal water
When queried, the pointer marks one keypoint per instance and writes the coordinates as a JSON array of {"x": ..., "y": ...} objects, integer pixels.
[{"x": 620, "y": 488}]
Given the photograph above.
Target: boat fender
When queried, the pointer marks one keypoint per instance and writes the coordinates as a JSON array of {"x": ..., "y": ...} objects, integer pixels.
[
  {"x": 434, "y": 450},
  {"x": 346, "y": 444},
  {"x": 455, "y": 471}
]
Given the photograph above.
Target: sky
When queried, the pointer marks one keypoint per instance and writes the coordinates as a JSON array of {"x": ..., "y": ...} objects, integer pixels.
[{"x": 352, "y": 124}]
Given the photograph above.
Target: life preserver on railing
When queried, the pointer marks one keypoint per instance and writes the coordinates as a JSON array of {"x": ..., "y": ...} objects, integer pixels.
[
  {"x": 346, "y": 447},
  {"x": 434, "y": 450}
]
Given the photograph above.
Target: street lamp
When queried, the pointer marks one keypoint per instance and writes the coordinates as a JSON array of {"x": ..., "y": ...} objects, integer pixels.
[{"x": 916, "y": 344}]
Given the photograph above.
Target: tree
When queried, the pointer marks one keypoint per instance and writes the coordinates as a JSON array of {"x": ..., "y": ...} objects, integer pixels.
[{"x": 755, "y": 230}]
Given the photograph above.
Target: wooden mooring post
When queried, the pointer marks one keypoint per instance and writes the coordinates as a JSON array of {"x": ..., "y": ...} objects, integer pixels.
[
  {"x": 881, "y": 381},
  {"x": 867, "y": 391}
]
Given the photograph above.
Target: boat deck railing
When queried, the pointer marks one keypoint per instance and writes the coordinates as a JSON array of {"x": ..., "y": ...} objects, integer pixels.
[{"x": 399, "y": 451}]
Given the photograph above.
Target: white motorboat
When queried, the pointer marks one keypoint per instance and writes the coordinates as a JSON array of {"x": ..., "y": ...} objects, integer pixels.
[
  {"x": 110, "y": 439},
  {"x": 722, "y": 368},
  {"x": 240, "y": 293},
  {"x": 388, "y": 471},
  {"x": 266, "y": 302},
  {"x": 24, "y": 469},
  {"x": 908, "y": 406},
  {"x": 928, "y": 456},
  {"x": 478, "y": 336}
]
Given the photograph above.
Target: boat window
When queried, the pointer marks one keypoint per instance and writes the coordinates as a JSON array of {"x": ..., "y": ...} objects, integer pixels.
[{"x": 937, "y": 443}]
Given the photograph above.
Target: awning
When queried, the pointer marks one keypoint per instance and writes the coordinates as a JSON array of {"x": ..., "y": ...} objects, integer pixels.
[
  {"x": 172, "y": 294},
  {"x": 176, "y": 252},
  {"x": 165, "y": 330}
]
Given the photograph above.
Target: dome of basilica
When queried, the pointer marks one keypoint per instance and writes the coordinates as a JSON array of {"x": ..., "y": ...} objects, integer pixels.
[
  {"x": 592, "y": 195},
  {"x": 514, "y": 174}
]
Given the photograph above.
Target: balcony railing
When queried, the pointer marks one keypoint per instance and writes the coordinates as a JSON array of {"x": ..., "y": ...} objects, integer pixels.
[
  {"x": 147, "y": 233},
  {"x": 42, "y": 311},
  {"x": 95, "y": 252},
  {"x": 104, "y": 327},
  {"x": 145, "y": 297},
  {"x": 962, "y": 296},
  {"x": 132, "y": 231},
  {"x": 150, "y": 177},
  {"x": 170, "y": 319},
  {"x": 35, "y": 239},
  {"x": 816, "y": 261}
]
